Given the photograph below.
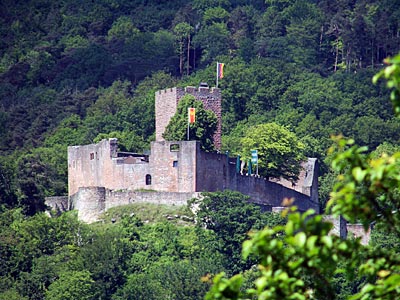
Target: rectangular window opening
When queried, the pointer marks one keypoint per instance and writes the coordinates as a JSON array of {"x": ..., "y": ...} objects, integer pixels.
[{"x": 174, "y": 147}]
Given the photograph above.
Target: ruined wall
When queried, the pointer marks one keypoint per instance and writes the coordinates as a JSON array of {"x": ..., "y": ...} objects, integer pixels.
[
  {"x": 339, "y": 225},
  {"x": 57, "y": 203},
  {"x": 307, "y": 183},
  {"x": 98, "y": 165},
  {"x": 117, "y": 198},
  {"x": 264, "y": 192},
  {"x": 166, "y": 102},
  {"x": 173, "y": 165}
]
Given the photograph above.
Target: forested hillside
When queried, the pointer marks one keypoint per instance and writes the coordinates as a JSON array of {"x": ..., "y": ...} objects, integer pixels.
[{"x": 74, "y": 72}]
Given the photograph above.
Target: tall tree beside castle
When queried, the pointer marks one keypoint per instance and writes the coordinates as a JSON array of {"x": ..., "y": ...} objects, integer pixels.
[
  {"x": 202, "y": 129},
  {"x": 280, "y": 153}
]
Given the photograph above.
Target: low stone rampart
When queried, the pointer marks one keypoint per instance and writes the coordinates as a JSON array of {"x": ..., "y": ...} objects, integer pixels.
[
  {"x": 91, "y": 202},
  {"x": 57, "y": 203},
  {"x": 117, "y": 198}
]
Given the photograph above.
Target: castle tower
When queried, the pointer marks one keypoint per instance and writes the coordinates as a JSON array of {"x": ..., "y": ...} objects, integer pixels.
[{"x": 166, "y": 103}]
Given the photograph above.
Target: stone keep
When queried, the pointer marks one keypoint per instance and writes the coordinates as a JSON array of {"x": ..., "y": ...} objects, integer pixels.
[{"x": 166, "y": 103}]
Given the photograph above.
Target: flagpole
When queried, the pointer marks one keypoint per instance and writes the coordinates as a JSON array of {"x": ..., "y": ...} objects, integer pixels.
[
  {"x": 188, "y": 124},
  {"x": 217, "y": 75}
]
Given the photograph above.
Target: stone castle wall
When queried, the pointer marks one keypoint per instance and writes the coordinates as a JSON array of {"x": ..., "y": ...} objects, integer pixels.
[
  {"x": 91, "y": 202},
  {"x": 118, "y": 198},
  {"x": 339, "y": 225},
  {"x": 217, "y": 172},
  {"x": 173, "y": 166},
  {"x": 58, "y": 204},
  {"x": 358, "y": 231},
  {"x": 307, "y": 183},
  {"x": 214, "y": 172},
  {"x": 166, "y": 103},
  {"x": 98, "y": 165}
]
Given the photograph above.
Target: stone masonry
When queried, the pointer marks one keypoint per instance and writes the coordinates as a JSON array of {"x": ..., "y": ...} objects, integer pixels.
[
  {"x": 166, "y": 103},
  {"x": 97, "y": 172}
]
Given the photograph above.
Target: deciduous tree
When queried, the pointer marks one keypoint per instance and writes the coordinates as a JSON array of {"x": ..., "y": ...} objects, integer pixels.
[
  {"x": 203, "y": 129},
  {"x": 280, "y": 153}
]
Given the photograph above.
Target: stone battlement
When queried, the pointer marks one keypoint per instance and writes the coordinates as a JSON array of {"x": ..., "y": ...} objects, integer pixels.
[
  {"x": 166, "y": 91},
  {"x": 190, "y": 90},
  {"x": 203, "y": 89}
]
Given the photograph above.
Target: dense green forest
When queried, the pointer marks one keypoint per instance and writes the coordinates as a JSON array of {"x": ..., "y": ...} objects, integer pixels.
[{"x": 73, "y": 72}]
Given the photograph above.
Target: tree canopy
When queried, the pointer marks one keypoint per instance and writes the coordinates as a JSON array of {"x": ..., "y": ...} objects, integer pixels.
[
  {"x": 202, "y": 129},
  {"x": 280, "y": 153}
]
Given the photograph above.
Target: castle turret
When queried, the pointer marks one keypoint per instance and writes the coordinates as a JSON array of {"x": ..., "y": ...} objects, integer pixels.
[{"x": 167, "y": 100}]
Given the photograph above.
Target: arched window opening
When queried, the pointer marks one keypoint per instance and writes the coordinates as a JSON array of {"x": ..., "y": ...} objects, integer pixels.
[{"x": 148, "y": 179}]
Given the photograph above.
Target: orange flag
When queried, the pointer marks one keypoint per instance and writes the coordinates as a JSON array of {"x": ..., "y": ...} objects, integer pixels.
[
  {"x": 220, "y": 70},
  {"x": 191, "y": 115}
]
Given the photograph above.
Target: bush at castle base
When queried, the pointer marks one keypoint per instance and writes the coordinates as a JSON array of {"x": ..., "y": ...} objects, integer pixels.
[{"x": 230, "y": 215}]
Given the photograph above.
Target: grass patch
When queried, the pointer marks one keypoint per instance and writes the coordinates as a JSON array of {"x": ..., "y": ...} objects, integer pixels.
[{"x": 150, "y": 213}]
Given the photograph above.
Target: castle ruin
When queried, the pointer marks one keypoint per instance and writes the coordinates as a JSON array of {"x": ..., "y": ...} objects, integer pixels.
[{"x": 101, "y": 177}]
